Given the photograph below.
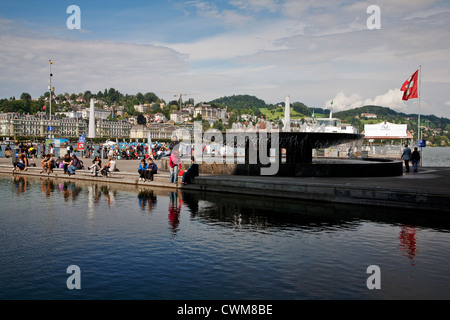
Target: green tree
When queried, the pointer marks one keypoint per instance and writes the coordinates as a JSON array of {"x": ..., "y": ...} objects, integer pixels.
[
  {"x": 141, "y": 120},
  {"x": 25, "y": 96}
]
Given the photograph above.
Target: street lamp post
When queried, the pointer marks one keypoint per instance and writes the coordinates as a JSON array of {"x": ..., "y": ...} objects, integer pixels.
[{"x": 50, "y": 100}]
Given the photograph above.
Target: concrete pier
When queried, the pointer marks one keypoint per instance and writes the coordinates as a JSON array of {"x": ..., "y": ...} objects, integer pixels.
[{"x": 429, "y": 189}]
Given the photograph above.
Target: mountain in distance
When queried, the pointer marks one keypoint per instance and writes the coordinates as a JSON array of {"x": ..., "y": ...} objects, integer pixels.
[
  {"x": 434, "y": 128},
  {"x": 247, "y": 102}
]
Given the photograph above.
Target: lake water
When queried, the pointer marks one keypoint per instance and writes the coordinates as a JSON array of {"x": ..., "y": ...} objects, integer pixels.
[
  {"x": 436, "y": 157},
  {"x": 432, "y": 157},
  {"x": 132, "y": 243}
]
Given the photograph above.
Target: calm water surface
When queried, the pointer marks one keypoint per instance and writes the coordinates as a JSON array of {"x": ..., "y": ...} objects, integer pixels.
[{"x": 133, "y": 243}]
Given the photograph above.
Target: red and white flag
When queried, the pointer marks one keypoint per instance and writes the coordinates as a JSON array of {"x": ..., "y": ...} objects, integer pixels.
[
  {"x": 44, "y": 107},
  {"x": 410, "y": 87}
]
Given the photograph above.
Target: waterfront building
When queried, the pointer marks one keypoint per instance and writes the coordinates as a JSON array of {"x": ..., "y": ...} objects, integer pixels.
[
  {"x": 161, "y": 130},
  {"x": 99, "y": 113},
  {"x": 180, "y": 116},
  {"x": 15, "y": 124},
  {"x": 210, "y": 113},
  {"x": 70, "y": 114},
  {"x": 369, "y": 115},
  {"x": 143, "y": 108},
  {"x": 159, "y": 117},
  {"x": 139, "y": 132},
  {"x": 72, "y": 127},
  {"x": 112, "y": 129}
]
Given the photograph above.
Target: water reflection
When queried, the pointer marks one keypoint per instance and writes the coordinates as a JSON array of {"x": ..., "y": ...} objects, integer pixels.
[
  {"x": 108, "y": 193},
  {"x": 408, "y": 243},
  {"x": 47, "y": 187},
  {"x": 310, "y": 216},
  {"x": 147, "y": 199},
  {"x": 174, "y": 211},
  {"x": 245, "y": 211},
  {"x": 252, "y": 247},
  {"x": 260, "y": 213},
  {"x": 20, "y": 184}
]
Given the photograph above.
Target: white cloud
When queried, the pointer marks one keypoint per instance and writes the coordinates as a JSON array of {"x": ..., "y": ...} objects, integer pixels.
[
  {"x": 256, "y": 5},
  {"x": 391, "y": 99},
  {"x": 342, "y": 102},
  {"x": 84, "y": 65},
  {"x": 310, "y": 50},
  {"x": 229, "y": 18}
]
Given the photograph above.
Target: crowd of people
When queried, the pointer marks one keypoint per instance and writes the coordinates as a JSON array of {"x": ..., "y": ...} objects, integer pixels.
[
  {"x": 70, "y": 162},
  {"x": 133, "y": 151}
]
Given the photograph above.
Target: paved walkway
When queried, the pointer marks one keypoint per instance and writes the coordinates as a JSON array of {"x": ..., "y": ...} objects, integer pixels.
[{"x": 429, "y": 189}]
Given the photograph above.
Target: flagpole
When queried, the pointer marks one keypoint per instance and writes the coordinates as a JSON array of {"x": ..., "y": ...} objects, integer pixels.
[
  {"x": 420, "y": 84},
  {"x": 419, "y": 134},
  {"x": 50, "y": 98}
]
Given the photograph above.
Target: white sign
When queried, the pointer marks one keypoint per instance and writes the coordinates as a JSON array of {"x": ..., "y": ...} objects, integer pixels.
[{"x": 386, "y": 129}]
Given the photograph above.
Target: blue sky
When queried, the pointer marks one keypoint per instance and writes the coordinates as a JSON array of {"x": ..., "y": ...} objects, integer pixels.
[{"x": 314, "y": 51}]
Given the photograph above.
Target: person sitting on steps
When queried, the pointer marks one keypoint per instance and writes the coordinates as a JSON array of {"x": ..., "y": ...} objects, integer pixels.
[
  {"x": 109, "y": 167},
  {"x": 191, "y": 172},
  {"x": 75, "y": 164},
  {"x": 96, "y": 166},
  {"x": 142, "y": 170},
  {"x": 47, "y": 164},
  {"x": 152, "y": 169}
]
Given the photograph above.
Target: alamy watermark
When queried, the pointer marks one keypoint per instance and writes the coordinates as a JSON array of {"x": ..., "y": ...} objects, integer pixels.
[
  {"x": 255, "y": 147},
  {"x": 374, "y": 280},
  {"x": 74, "y": 21},
  {"x": 374, "y": 21},
  {"x": 74, "y": 280}
]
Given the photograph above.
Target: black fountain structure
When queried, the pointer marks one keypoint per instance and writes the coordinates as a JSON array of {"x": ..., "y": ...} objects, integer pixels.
[{"x": 294, "y": 155}]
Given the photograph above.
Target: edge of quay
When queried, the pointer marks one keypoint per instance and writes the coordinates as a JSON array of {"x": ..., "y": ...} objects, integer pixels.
[{"x": 376, "y": 192}]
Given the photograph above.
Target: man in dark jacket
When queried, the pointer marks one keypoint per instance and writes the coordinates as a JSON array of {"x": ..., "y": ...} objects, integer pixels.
[
  {"x": 415, "y": 159},
  {"x": 190, "y": 173},
  {"x": 152, "y": 169},
  {"x": 406, "y": 156}
]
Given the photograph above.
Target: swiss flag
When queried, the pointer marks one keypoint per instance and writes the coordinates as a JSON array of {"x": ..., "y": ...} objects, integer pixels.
[
  {"x": 410, "y": 87},
  {"x": 44, "y": 107}
]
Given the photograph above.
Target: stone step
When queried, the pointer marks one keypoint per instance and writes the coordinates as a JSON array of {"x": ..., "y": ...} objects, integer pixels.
[{"x": 161, "y": 179}]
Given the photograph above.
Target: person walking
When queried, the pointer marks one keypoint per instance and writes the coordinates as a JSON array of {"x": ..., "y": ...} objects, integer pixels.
[
  {"x": 173, "y": 166},
  {"x": 415, "y": 159},
  {"x": 406, "y": 157},
  {"x": 52, "y": 150}
]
